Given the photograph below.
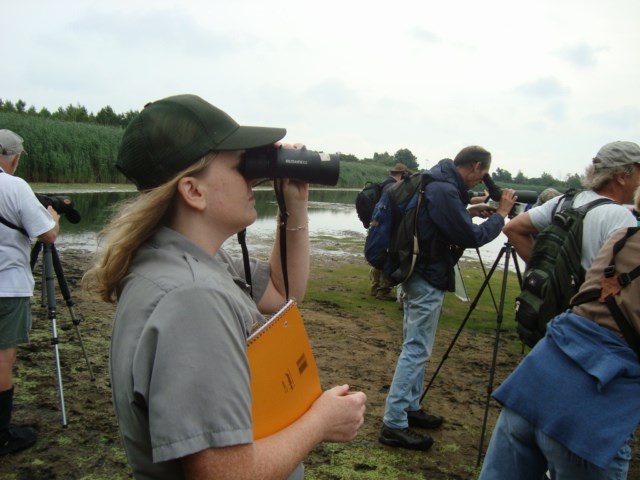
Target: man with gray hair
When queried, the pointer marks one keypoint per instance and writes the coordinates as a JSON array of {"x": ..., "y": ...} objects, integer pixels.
[
  {"x": 614, "y": 173},
  {"x": 22, "y": 217},
  {"x": 445, "y": 229}
]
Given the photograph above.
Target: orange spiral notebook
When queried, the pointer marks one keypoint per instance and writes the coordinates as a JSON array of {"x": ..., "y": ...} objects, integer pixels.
[{"x": 284, "y": 375}]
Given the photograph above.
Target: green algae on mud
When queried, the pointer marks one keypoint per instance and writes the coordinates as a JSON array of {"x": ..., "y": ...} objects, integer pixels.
[{"x": 356, "y": 340}]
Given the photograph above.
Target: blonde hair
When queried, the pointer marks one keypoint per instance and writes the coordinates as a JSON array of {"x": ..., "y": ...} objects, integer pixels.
[
  {"x": 636, "y": 198},
  {"x": 134, "y": 222}
]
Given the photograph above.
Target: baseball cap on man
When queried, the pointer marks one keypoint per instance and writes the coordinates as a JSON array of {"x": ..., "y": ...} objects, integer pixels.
[
  {"x": 617, "y": 154},
  {"x": 170, "y": 134},
  {"x": 10, "y": 143}
]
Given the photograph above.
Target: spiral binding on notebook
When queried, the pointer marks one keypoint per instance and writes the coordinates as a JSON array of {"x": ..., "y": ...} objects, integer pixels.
[{"x": 271, "y": 322}]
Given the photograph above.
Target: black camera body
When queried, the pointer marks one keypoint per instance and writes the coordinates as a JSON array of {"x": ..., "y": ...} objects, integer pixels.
[
  {"x": 298, "y": 164},
  {"x": 61, "y": 204}
]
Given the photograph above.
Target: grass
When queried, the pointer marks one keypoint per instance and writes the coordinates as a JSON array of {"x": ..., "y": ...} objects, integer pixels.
[
  {"x": 346, "y": 285},
  {"x": 354, "y": 462}
]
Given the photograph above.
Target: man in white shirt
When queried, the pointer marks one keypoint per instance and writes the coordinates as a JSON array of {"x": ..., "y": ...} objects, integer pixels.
[
  {"x": 614, "y": 173},
  {"x": 22, "y": 217}
]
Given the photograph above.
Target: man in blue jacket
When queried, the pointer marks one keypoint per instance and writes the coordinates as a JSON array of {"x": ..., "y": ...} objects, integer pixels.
[{"x": 445, "y": 230}]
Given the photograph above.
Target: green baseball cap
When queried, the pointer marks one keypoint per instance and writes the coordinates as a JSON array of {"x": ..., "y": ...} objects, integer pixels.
[{"x": 170, "y": 134}]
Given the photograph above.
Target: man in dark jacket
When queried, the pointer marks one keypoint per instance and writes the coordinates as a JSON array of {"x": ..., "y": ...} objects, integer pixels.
[{"x": 445, "y": 230}]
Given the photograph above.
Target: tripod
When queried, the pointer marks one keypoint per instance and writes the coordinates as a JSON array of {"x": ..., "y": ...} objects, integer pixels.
[
  {"x": 507, "y": 252},
  {"x": 50, "y": 265}
]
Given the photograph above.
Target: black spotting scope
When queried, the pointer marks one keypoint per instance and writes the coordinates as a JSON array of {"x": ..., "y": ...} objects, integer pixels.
[{"x": 495, "y": 192}]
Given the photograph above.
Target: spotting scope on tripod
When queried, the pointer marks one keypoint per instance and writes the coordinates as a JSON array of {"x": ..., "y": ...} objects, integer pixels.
[
  {"x": 51, "y": 266},
  {"x": 506, "y": 254}
]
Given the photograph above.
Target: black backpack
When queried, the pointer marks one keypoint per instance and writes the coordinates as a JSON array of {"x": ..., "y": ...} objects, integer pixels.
[
  {"x": 554, "y": 273},
  {"x": 366, "y": 201},
  {"x": 392, "y": 241}
]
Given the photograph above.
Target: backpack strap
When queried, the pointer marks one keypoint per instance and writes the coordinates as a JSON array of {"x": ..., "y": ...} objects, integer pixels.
[
  {"x": 416, "y": 241},
  {"x": 9, "y": 224},
  {"x": 15, "y": 227},
  {"x": 611, "y": 285},
  {"x": 566, "y": 201}
]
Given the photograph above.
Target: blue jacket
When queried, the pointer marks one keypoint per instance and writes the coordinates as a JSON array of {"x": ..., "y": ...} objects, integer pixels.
[
  {"x": 581, "y": 386},
  {"x": 445, "y": 227}
]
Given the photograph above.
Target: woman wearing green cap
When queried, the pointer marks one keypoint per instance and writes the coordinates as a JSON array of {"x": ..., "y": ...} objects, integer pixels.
[{"x": 179, "y": 371}]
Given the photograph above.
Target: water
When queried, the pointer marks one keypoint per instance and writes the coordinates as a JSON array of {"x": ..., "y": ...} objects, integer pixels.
[{"x": 331, "y": 215}]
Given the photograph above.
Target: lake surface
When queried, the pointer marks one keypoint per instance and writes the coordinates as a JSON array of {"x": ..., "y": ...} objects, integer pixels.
[{"x": 332, "y": 215}]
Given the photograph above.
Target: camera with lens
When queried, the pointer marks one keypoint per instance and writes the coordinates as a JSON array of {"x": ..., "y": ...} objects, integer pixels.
[
  {"x": 298, "y": 164},
  {"x": 61, "y": 204}
]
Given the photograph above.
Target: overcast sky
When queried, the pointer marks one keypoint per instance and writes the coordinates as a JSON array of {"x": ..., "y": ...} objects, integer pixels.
[{"x": 541, "y": 84}]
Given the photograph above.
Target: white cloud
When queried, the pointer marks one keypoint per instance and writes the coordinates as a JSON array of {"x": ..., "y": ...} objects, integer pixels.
[
  {"x": 542, "y": 85},
  {"x": 582, "y": 55}
]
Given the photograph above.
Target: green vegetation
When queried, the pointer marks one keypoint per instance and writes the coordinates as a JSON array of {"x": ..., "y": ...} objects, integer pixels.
[
  {"x": 65, "y": 152},
  {"x": 72, "y": 145}
]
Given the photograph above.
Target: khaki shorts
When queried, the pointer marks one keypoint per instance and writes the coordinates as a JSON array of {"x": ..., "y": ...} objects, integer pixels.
[{"x": 15, "y": 321}]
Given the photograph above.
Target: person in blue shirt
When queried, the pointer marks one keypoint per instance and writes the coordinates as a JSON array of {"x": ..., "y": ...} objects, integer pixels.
[{"x": 573, "y": 404}]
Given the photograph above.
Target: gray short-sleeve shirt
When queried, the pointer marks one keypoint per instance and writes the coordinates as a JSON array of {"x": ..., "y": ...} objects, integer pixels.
[{"x": 179, "y": 371}]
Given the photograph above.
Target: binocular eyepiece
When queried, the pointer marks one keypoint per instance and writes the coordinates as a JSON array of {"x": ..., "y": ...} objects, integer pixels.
[
  {"x": 495, "y": 192},
  {"x": 298, "y": 164}
]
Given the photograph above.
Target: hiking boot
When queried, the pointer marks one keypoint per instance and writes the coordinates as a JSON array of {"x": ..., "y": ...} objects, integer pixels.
[
  {"x": 18, "y": 438},
  {"x": 386, "y": 297},
  {"x": 404, "y": 438},
  {"x": 421, "y": 419}
]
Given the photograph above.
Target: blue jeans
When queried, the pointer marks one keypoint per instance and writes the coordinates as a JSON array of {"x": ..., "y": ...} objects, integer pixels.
[
  {"x": 519, "y": 450},
  {"x": 422, "y": 307}
]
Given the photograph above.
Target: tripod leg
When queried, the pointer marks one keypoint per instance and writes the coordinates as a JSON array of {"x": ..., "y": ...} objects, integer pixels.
[
  {"x": 51, "y": 307},
  {"x": 469, "y": 311},
  {"x": 496, "y": 342},
  {"x": 66, "y": 294}
]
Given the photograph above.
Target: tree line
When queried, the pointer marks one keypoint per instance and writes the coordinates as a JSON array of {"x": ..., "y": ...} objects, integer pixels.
[
  {"x": 73, "y": 145},
  {"x": 71, "y": 113}
]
